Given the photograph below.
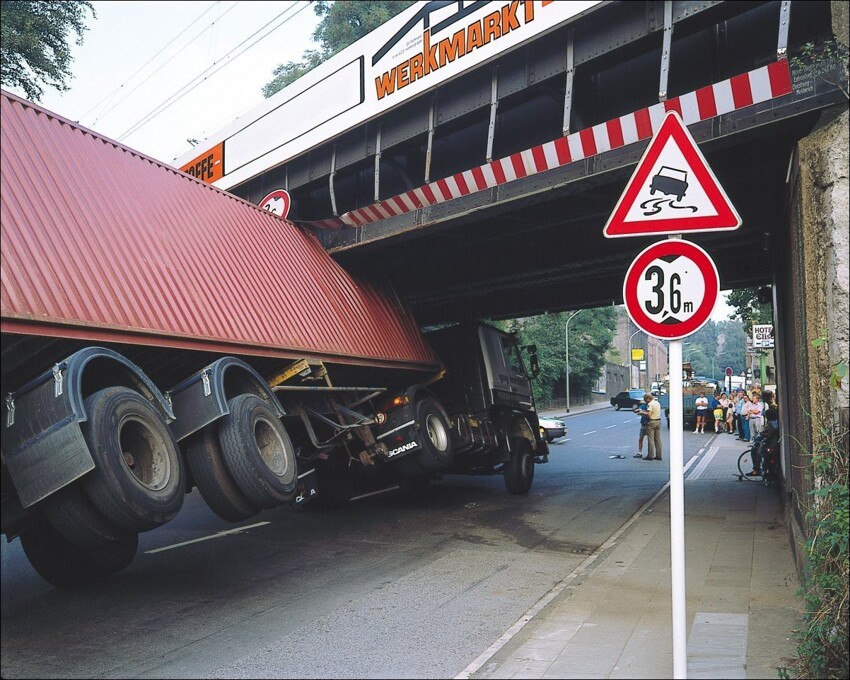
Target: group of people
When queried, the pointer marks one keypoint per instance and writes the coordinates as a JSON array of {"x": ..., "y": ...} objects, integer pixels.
[{"x": 744, "y": 413}]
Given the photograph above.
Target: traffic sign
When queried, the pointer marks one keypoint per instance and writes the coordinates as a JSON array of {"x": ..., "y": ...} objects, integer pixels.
[
  {"x": 672, "y": 190},
  {"x": 671, "y": 288},
  {"x": 277, "y": 202}
]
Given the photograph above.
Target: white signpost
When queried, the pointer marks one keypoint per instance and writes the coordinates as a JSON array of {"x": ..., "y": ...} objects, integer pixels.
[{"x": 670, "y": 290}]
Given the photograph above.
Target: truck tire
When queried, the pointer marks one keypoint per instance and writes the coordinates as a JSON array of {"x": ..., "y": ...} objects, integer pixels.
[
  {"x": 210, "y": 474},
  {"x": 519, "y": 470},
  {"x": 258, "y": 452},
  {"x": 72, "y": 514},
  {"x": 437, "y": 452},
  {"x": 64, "y": 564},
  {"x": 138, "y": 480}
]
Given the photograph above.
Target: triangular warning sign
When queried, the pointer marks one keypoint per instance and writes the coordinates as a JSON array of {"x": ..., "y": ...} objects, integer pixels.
[{"x": 672, "y": 190}]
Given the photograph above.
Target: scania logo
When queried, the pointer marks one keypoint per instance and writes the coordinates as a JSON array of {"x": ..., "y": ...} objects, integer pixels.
[{"x": 401, "y": 449}]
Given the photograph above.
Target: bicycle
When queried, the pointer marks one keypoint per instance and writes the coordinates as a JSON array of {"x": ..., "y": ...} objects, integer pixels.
[
  {"x": 758, "y": 463},
  {"x": 747, "y": 465}
]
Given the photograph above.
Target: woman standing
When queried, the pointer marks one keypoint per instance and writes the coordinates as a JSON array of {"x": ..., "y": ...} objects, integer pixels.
[{"x": 701, "y": 405}]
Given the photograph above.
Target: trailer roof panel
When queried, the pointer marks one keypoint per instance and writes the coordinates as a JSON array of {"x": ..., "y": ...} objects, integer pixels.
[{"x": 103, "y": 243}]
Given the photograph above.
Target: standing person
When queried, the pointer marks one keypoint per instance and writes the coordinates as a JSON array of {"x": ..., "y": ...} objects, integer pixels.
[
  {"x": 771, "y": 410},
  {"x": 745, "y": 417},
  {"x": 701, "y": 405},
  {"x": 653, "y": 428},
  {"x": 644, "y": 422},
  {"x": 731, "y": 425},
  {"x": 756, "y": 415},
  {"x": 718, "y": 419},
  {"x": 724, "y": 404}
]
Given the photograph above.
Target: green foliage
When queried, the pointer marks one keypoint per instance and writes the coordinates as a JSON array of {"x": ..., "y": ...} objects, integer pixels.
[
  {"x": 724, "y": 342},
  {"x": 34, "y": 46},
  {"x": 823, "y": 641},
  {"x": 745, "y": 302},
  {"x": 591, "y": 335},
  {"x": 343, "y": 22}
]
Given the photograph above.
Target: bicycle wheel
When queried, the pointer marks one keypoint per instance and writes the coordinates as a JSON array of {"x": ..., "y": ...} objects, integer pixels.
[{"x": 745, "y": 467}]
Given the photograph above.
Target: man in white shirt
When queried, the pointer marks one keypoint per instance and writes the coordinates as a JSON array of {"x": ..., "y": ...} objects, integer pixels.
[{"x": 653, "y": 428}]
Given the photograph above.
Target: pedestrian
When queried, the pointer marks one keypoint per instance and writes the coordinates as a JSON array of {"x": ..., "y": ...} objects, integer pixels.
[
  {"x": 701, "y": 405},
  {"x": 653, "y": 428},
  {"x": 718, "y": 419},
  {"x": 644, "y": 422},
  {"x": 725, "y": 403},
  {"x": 730, "y": 418},
  {"x": 745, "y": 419},
  {"x": 756, "y": 415},
  {"x": 771, "y": 412}
]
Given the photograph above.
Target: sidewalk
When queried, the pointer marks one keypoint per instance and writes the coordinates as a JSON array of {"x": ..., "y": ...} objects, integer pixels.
[{"x": 612, "y": 617}]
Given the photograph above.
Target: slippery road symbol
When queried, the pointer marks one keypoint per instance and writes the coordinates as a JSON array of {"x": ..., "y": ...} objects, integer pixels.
[
  {"x": 672, "y": 182},
  {"x": 654, "y": 206}
]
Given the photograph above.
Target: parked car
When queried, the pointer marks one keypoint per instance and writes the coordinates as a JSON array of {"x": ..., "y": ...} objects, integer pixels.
[
  {"x": 628, "y": 399},
  {"x": 551, "y": 429}
]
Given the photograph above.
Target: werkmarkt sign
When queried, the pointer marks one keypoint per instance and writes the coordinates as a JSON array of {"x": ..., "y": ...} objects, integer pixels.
[{"x": 672, "y": 190}]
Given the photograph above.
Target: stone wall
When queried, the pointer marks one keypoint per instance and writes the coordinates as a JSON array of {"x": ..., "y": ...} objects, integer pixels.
[{"x": 814, "y": 265}]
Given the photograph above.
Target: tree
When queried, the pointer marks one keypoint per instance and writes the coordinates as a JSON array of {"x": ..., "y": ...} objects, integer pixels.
[
  {"x": 591, "y": 336},
  {"x": 752, "y": 306},
  {"x": 34, "y": 43},
  {"x": 343, "y": 23}
]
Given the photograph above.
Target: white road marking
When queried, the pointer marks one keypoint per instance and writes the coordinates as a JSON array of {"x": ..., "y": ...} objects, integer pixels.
[
  {"x": 220, "y": 534},
  {"x": 584, "y": 434},
  {"x": 610, "y": 426}
]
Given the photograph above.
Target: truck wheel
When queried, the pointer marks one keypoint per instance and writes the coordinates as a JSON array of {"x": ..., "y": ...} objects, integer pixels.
[
  {"x": 72, "y": 514},
  {"x": 138, "y": 480},
  {"x": 258, "y": 452},
  {"x": 64, "y": 564},
  {"x": 217, "y": 486},
  {"x": 519, "y": 470},
  {"x": 437, "y": 450}
]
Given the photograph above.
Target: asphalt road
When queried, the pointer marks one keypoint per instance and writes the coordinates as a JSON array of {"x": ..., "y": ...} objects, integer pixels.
[{"x": 388, "y": 586}]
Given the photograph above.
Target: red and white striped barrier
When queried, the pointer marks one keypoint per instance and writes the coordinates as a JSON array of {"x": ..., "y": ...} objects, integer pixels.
[{"x": 738, "y": 92}]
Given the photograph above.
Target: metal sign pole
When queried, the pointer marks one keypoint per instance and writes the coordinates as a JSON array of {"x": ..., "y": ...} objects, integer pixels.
[{"x": 677, "y": 513}]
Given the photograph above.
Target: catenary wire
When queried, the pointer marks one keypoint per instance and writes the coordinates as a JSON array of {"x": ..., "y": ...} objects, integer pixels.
[
  {"x": 204, "y": 75},
  {"x": 163, "y": 65}
]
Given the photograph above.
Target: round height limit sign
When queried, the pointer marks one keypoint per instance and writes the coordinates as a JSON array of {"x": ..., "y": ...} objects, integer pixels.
[{"x": 671, "y": 289}]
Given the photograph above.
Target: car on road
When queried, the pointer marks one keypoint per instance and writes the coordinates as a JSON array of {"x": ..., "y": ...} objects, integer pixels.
[
  {"x": 628, "y": 399},
  {"x": 551, "y": 429}
]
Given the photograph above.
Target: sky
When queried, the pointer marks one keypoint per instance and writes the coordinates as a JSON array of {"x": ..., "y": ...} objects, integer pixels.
[
  {"x": 152, "y": 74},
  {"x": 155, "y": 74}
]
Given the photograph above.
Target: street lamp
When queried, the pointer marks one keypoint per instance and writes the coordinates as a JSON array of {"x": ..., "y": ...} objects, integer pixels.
[
  {"x": 567, "y": 369},
  {"x": 630, "y": 357},
  {"x": 713, "y": 377}
]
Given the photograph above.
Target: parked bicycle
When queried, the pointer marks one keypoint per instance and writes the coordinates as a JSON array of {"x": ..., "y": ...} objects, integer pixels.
[{"x": 760, "y": 462}]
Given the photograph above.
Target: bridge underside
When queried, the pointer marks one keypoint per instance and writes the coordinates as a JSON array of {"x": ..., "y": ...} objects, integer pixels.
[
  {"x": 535, "y": 243},
  {"x": 538, "y": 245}
]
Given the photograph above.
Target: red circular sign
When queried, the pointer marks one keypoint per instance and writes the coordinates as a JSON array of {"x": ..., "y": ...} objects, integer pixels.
[
  {"x": 671, "y": 288},
  {"x": 277, "y": 202}
]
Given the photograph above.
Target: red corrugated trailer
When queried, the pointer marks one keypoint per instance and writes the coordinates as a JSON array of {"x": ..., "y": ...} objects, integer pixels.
[{"x": 159, "y": 334}]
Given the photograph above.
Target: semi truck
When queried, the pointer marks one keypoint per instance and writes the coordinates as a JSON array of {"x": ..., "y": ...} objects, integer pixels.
[{"x": 161, "y": 336}]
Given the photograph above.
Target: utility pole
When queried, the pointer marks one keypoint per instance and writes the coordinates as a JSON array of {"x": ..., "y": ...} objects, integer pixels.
[{"x": 567, "y": 368}]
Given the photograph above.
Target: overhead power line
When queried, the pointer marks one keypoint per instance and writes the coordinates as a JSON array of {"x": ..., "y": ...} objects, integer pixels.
[
  {"x": 208, "y": 72},
  {"x": 167, "y": 61}
]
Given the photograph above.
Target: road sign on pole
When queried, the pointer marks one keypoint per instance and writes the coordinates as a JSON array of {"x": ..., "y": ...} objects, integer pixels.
[
  {"x": 672, "y": 190},
  {"x": 671, "y": 288}
]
